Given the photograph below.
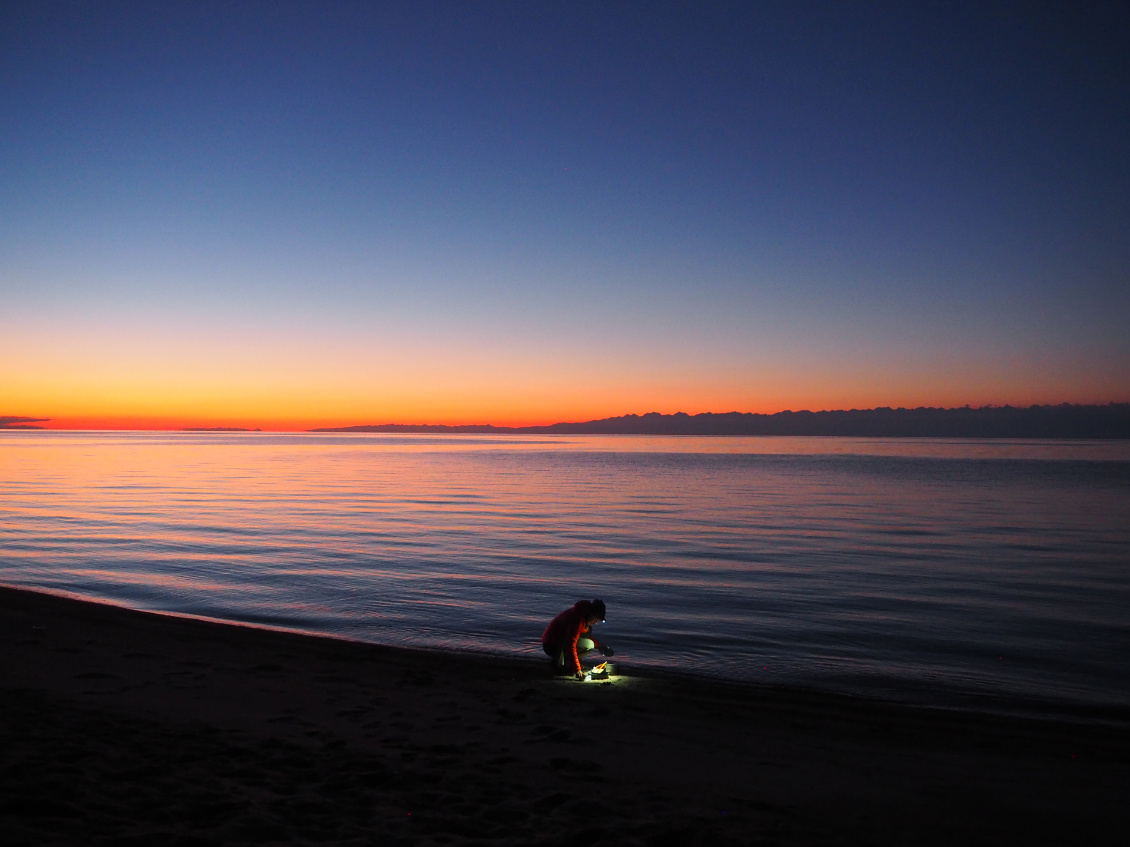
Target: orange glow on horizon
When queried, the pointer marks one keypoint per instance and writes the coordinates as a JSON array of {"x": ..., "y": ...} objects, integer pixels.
[
  {"x": 144, "y": 375},
  {"x": 151, "y": 393},
  {"x": 266, "y": 423}
]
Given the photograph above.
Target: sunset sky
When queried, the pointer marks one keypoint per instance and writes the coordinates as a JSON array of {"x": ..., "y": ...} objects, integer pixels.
[{"x": 286, "y": 215}]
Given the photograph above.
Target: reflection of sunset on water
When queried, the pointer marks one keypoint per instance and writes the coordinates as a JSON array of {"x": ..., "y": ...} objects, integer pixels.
[{"x": 834, "y": 562}]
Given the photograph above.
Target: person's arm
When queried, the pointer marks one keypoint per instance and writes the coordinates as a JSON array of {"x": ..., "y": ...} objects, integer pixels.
[
  {"x": 573, "y": 639},
  {"x": 600, "y": 646}
]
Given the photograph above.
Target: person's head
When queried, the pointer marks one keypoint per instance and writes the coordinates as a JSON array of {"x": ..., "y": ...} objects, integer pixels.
[{"x": 596, "y": 611}]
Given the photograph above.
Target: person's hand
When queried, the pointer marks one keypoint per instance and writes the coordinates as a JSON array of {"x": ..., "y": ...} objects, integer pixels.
[
  {"x": 607, "y": 651},
  {"x": 579, "y": 676}
]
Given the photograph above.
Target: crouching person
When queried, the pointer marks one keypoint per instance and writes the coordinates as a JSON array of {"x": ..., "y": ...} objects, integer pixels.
[{"x": 569, "y": 636}]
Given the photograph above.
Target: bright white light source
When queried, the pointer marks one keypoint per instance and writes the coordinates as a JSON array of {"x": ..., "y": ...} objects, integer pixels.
[{"x": 600, "y": 673}]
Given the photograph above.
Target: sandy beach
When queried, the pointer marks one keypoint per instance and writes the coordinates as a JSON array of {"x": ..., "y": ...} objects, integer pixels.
[{"x": 122, "y": 727}]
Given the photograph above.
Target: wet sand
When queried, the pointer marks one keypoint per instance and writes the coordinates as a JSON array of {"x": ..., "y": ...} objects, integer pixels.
[{"x": 120, "y": 727}]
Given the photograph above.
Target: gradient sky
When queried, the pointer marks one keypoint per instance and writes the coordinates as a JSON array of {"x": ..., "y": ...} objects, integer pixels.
[{"x": 296, "y": 214}]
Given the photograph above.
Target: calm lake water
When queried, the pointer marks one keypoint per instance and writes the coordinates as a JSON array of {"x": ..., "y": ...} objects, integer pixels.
[{"x": 969, "y": 573}]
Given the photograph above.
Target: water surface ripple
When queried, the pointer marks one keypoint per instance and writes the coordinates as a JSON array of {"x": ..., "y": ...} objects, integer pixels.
[{"x": 945, "y": 572}]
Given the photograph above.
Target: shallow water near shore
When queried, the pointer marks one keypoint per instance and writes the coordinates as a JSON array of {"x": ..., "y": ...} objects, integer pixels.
[{"x": 984, "y": 573}]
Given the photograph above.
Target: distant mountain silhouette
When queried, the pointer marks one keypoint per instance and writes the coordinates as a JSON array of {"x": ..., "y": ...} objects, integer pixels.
[
  {"x": 16, "y": 422},
  {"x": 1062, "y": 421}
]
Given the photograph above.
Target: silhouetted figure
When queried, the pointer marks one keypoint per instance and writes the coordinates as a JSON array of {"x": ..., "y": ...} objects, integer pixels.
[{"x": 569, "y": 636}]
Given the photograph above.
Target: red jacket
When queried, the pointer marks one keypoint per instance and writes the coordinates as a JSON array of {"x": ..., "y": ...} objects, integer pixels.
[{"x": 566, "y": 629}]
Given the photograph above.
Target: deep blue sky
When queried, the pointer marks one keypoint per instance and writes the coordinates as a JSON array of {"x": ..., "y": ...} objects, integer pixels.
[{"x": 539, "y": 211}]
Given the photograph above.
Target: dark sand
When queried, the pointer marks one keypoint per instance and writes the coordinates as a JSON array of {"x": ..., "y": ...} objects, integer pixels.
[{"x": 119, "y": 727}]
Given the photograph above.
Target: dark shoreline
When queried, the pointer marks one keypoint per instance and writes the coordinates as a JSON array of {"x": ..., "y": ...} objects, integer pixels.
[
  {"x": 956, "y": 704},
  {"x": 129, "y": 727}
]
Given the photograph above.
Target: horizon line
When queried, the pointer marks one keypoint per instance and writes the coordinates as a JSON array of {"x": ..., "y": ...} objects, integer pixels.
[{"x": 190, "y": 424}]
